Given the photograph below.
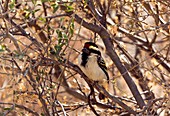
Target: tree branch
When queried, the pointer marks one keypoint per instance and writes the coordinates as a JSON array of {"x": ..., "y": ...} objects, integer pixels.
[{"x": 113, "y": 55}]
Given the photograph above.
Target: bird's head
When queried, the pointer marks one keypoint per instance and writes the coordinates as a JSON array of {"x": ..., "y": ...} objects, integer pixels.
[{"x": 90, "y": 47}]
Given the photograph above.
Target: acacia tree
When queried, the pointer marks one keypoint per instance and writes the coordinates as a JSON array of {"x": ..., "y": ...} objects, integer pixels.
[{"x": 40, "y": 43}]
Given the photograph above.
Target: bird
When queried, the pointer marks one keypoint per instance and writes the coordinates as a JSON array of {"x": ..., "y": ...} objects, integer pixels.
[{"x": 93, "y": 65}]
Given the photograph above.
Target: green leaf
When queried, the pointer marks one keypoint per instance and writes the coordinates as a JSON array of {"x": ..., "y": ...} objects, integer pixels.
[
  {"x": 12, "y": 4},
  {"x": 37, "y": 78},
  {"x": 58, "y": 48},
  {"x": 55, "y": 7},
  {"x": 71, "y": 31},
  {"x": 52, "y": 51},
  {"x": 59, "y": 33},
  {"x": 72, "y": 23},
  {"x": 42, "y": 19},
  {"x": 34, "y": 11},
  {"x": 69, "y": 8},
  {"x": 7, "y": 108},
  {"x": 65, "y": 37},
  {"x": 2, "y": 48},
  {"x": 34, "y": 1},
  {"x": 27, "y": 15},
  {"x": 18, "y": 55},
  {"x": 21, "y": 56},
  {"x": 72, "y": 27},
  {"x": 44, "y": 1}
]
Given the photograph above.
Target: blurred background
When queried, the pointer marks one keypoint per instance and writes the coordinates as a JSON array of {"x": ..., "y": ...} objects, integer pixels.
[{"x": 40, "y": 41}]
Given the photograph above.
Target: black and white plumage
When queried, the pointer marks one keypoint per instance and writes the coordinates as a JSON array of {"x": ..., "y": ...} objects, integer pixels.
[{"x": 92, "y": 64}]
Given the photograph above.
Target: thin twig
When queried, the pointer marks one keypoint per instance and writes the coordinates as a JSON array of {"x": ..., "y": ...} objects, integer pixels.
[
  {"x": 64, "y": 112},
  {"x": 21, "y": 107}
]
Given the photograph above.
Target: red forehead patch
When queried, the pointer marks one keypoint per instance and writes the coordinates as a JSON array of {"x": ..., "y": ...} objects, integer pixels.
[
  {"x": 86, "y": 45},
  {"x": 90, "y": 44}
]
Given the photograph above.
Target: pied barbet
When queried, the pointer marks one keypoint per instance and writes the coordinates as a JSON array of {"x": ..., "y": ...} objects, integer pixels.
[{"x": 92, "y": 64}]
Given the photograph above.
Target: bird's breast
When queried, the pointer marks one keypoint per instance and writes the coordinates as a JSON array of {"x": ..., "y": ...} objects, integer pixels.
[{"x": 92, "y": 69}]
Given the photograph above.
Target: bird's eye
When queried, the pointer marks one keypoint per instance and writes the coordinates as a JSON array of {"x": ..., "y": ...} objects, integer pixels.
[{"x": 85, "y": 50}]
